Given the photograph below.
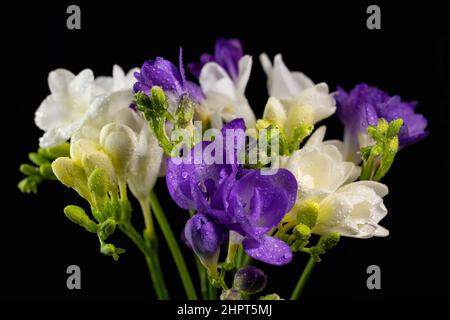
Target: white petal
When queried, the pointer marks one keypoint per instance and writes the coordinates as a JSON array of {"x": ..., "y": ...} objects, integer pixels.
[
  {"x": 281, "y": 83},
  {"x": 380, "y": 189},
  {"x": 245, "y": 67},
  {"x": 145, "y": 165},
  {"x": 302, "y": 80},
  {"x": 119, "y": 142},
  {"x": 323, "y": 105},
  {"x": 215, "y": 80},
  {"x": 58, "y": 80},
  {"x": 317, "y": 137},
  {"x": 275, "y": 112},
  {"x": 80, "y": 87},
  {"x": 266, "y": 64}
]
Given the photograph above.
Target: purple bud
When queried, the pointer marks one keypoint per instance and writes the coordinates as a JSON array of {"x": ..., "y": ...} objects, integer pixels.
[
  {"x": 249, "y": 280},
  {"x": 204, "y": 236}
]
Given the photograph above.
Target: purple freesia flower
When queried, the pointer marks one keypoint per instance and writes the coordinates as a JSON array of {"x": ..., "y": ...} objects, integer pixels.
[
  {"x": 227, "y": 53},
  {"x": 233, "y": 198},
  {"x": 163, "y": 73},
  {"x": 364, "y": 105}
]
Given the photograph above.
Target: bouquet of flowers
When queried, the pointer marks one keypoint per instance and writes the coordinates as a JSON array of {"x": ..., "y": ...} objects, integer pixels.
[{"x": 252, "y": 189}]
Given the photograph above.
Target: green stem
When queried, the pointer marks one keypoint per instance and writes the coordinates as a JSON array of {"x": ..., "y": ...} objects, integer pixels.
[
  {"x": 303, "y": 278},
  {"x": 151, "y": 257},
  {"x": 173, "y": 246},
  {"x": 246, "y": 261},
  {"x": 212, "y": 292},
  {"x": 203, "y": 279},
  {"x": 148, "y": 219}
]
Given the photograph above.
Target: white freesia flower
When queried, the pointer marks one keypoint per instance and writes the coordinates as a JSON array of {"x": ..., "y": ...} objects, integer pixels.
[
  {"x": 145, "y": 161},
  {"x": 301, "y": 99},
  {"x": 225, "y": 98},
  {"x": 319, "y": 168},
  {"x": 354, "y": 210},
  {"x": 118, "y": 82},
  {"x": 64, "y": 111}
]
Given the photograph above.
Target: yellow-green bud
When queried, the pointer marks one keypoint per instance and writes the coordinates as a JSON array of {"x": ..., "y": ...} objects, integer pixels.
[
  {"x": 302, "y": 232},
  {"x": 78, "y": 216},
  {"x": 71, "y": 175},
  {"x": 272, "y": 296},
  {"x": 98, "y": 183},
  {"x": 158, "y": 96},
  {"x": 328, "y": 240},
  {"x": 28, "y": 169},
  {"x": 62, "y": 150},
  {"x": 107, "y": 228},
  {"x": 307, "y": 213},
  {"x": 394, "y": 127},
  {"x": 46, "y": 171}
]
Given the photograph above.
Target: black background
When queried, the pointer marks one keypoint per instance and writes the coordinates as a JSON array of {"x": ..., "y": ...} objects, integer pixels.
[{"x": 327, "y": 41}]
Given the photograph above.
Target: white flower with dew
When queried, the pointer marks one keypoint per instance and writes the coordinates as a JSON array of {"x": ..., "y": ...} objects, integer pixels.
[
  {"x": 301, "y": 99},
  {"x": 224, "y": 98},
  {"x": 72, "y": 96},
  {"x": 354, "y": 210}
]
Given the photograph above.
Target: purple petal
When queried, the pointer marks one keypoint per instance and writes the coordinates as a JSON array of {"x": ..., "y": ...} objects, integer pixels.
[
  {"x": 259, "y": 202},
  {"x": 163, "y": 73},
  {"x": 364, "y": 105},
  {"x": 203, "y": 235},
  {"x": 194, "y": 91},
  {"x": 268, "y": 249},
  {"x": 181, "y": 68},
  {"x": 227, "y": 53}
]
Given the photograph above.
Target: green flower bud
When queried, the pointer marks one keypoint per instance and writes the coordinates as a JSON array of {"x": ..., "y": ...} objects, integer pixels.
[
  {"x": 159, "y": 97},
  {"x": 184, "y": 113},
  {"x": 374, "y": 133},
  {"x": 28, "y": 169},
  {"x": 37, "y": 159},
  {"x": 98, "y": 183},
  {"x": 307, "y": 213},
  {"x": 272, "y": 296},
  {"x": 107, "y": 228},
  {"x": 109, "y": 249},
  {"x": 328, "y": 241},
  {"x": 230, "y": 294},
  {"x": 394, "y": 127},
  {"x": 62, "y": 150},
  {"x": 46, "y": 171},
  {"x": 302, "y": 233},
  {"x": 382, "y": 126},
  {"x": 78, "y": 216},
  {"x": 29, "y": 184}
]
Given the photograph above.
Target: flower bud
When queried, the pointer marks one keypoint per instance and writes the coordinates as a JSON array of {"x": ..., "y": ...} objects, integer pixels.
[
  {"x": 307, "y": 213},
  {"x": 62, "y": 150},
  {"x": 71, "y": 175},
  {"x": 328, "y": 240},
  {"x": 272, "y": 296},
  {"x": 109, "y": 249},
  {"x": 46, "y": 171},
  {"x": 230, "y": 294},
  {"x": 249, "y": 280},
  {"x": 78, "y": 216},
  {"x": 204, "y": 237},
  {"x": 107, "y": 228},
  {"x": 119, "y": 142}
]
